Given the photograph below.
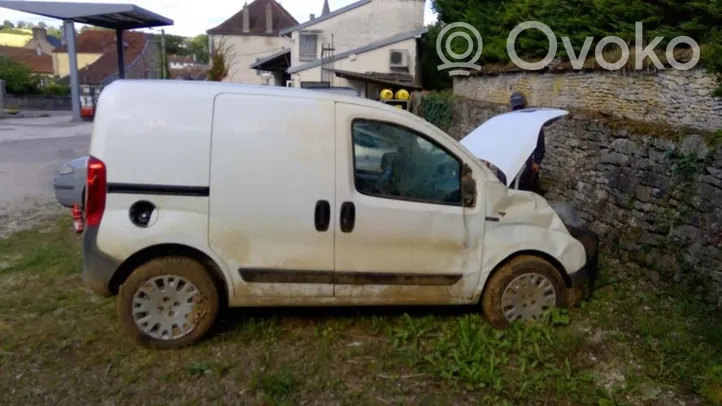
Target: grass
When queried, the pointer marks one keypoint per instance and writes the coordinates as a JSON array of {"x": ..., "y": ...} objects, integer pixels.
[{"x": 635, "y": 343}]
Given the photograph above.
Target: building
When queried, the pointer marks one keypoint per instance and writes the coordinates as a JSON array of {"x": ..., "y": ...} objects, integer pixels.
[
  {"x": 38, "y": 63},
  {"x": 98, "y": 58},
  {"x": 41, "y": 40},
  {"x": 99, "y": 67},
  {"x": 368, "y": 45},
  {"x": 181, "y": 62},
  {"x": 251, "y": 35}
]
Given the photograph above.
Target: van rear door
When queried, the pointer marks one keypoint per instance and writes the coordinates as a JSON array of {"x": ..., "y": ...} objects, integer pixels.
[{"x": 272, "y": 194}]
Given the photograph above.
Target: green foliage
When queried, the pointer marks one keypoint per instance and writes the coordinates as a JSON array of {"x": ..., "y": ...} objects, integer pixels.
[
  {"x": 432, "y": 78},
  {"x": 521, "y": 362},
  {"x": 712, "y": 385},
  {"x": 436, "y": 108},
  {"x": 18, "y": 77},
  {"x": 578, "y": 19},
  {"x": 198, "y": 46},
  {"x": 685, "y": 165},
  {"x": 221, "y": 58},
  {"x": 188, "y": 46},
  {"x": 55, "y": 89}
]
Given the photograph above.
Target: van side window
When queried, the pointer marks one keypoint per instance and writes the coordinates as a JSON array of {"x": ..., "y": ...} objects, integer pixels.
[{"x": 395, "y": 162}]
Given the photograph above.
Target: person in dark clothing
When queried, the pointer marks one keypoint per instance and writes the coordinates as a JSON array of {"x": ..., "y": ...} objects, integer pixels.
[{"x": 529, "y": 179}]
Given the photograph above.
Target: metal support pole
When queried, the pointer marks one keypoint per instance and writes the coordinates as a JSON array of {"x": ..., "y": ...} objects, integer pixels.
[
  {"x": 73, "y": 58},
  {"x": 164, "y": 63},
  {"x": 119, "y": 46}
]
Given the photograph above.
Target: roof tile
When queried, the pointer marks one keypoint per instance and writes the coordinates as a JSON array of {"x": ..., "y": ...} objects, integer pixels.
[
  {"x": 98, "y": 41},
  {"x": 282, "y": 19},
  {"x": 30, "y": 58}
]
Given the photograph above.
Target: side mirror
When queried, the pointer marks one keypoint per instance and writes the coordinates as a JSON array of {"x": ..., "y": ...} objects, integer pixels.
[{"x": 468, "y": 187}]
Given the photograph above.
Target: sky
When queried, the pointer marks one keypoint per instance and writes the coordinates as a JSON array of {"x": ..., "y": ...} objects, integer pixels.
[{"x": 193, "y": 17}]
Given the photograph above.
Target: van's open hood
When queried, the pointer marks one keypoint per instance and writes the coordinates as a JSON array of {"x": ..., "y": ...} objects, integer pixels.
[{"x": 507, "y": 140}]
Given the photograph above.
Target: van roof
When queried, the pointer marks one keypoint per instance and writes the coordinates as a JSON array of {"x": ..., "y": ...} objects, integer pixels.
[{"x": 210, "y": 89}]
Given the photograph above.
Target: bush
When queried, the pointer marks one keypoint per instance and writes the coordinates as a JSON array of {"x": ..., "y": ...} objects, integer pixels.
[{"x": 18, "y": 78}]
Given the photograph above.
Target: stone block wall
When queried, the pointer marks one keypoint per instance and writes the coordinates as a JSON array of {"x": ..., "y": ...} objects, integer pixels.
[
  {"x": 654, "y": 196},
  {"x": 38, "y": 102},
  {"x": 671, "y": 96}
]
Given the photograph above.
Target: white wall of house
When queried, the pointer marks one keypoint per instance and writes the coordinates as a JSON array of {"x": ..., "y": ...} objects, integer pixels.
[
  {"x": 376, "y": 60},
  {"x": 374, "y": 21},
  {"x": 243, "y": 50}
]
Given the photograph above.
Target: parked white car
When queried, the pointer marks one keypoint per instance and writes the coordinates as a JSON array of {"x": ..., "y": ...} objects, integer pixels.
[{"x": 197, "y": 198}]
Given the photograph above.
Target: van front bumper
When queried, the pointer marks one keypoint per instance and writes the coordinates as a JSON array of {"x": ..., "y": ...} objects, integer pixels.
[
  {"x": 584, "y": 279},
  {"x": 98, "y": 267}
]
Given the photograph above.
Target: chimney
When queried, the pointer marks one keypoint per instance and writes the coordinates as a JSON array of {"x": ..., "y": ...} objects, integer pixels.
[
  {"x": 246, "y": 19},
  {"x": 269, "y": 19},
  {"x": 312, "y": 16},
  {"x": 326, "y": 8},
  {"x": 39, "y": 34}
]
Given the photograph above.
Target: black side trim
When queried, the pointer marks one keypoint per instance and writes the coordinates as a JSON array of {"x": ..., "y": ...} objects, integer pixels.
[
  {"x": 363, "y": 278},
  {"x": 173, "y": 190},
  {"x": 494, "y": 219},
  {"x": 346, "y": 278},
  {"x": 284, "y": 276}
]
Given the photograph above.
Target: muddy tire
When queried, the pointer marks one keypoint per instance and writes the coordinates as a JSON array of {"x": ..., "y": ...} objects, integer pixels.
[
  {"x": 521, "y": 290},
  {"x": 168, "y": 302}
]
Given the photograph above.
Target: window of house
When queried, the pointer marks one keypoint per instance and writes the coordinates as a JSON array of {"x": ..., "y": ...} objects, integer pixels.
[
  {"x": 395, "y": 162},
  {"x": 308, "y": 47}
]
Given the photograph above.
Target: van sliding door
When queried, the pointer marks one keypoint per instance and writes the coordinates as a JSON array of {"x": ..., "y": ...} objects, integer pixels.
[{"x": 272, "y": 217}]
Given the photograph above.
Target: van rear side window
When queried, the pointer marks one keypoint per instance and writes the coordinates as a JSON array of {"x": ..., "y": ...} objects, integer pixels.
[{"x": 394, "y": 162}]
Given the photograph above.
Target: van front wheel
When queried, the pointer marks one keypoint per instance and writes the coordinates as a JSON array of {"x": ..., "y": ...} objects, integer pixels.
[
  {"x": 168, "y": 303},
  {"x": 523, "y": 289}
]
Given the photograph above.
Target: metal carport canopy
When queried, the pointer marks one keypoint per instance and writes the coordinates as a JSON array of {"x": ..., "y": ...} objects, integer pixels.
[{"x": 117, "y": 16}]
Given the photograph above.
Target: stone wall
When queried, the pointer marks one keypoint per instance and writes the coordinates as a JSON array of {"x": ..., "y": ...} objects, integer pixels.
[
  {"x": 38, "y": 102},
  {"x": 671, "y": 96},
  {"x": 657, "y": 201}
]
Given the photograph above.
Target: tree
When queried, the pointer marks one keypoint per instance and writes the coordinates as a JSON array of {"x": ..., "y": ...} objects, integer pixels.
[
  {"x": 578, "y": 19},
  {"x": 42, "y": 25},
  {"x": 175, "y": 45},
  {"x": 21, "y": 24},
  {"x": 8, "y": 25},
  {"x": 19, "y": 79},
  {"x": 198, "y": 46}
]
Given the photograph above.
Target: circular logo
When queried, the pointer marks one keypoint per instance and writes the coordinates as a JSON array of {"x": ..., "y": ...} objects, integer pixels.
[{"x": 461, "y": 30}]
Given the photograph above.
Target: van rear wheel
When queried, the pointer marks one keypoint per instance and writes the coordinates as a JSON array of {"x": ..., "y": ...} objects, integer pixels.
[
  {"x": 168, "y": 302},
  {"x": 523, "y": 289}
]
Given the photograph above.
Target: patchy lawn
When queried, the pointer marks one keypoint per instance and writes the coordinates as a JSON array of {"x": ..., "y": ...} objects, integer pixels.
[{"x": 637, "y": 342}]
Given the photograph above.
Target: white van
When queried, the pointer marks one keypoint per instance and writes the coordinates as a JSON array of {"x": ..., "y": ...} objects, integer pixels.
[{"x": 201, "y": 195}]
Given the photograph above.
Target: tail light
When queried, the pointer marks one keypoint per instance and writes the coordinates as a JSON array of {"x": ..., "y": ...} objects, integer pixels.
[{"x": 95, "y": 191}]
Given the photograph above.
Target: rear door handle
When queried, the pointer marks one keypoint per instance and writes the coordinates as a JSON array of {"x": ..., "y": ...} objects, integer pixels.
[
  {"x": 348, "y": 217},
  {"x": 322, "y": 215}
]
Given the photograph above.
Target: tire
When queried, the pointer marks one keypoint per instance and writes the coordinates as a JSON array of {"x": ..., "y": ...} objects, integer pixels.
[
  {"x": 532, "y": 267},
  {"x": 201, "y": 305}
]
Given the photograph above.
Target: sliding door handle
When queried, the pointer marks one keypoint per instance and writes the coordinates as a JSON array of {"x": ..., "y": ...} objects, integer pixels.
[
  {"x": 348, "y": 217},
  {"x": 322, "y": 215}
]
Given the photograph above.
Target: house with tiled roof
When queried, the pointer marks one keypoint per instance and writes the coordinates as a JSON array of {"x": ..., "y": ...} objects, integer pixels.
[
  {"x": 367, "y": 45},
  {"x": 98, "y": 58},
  {"x": 42, "y": 41},
  {"x": 251, "y": 35},
  {"x": 39, "y": 63}
]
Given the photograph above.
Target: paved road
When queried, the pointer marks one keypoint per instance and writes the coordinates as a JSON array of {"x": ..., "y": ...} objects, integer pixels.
[{"x": 31, "y": 151}]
